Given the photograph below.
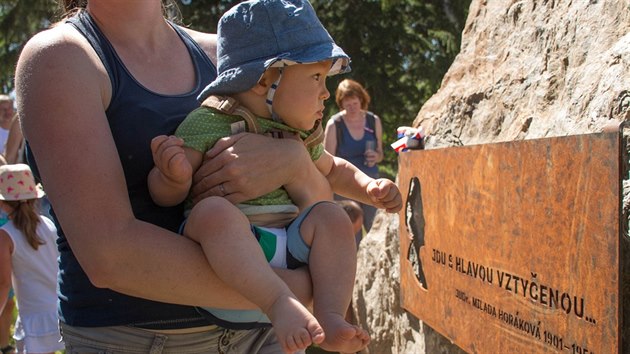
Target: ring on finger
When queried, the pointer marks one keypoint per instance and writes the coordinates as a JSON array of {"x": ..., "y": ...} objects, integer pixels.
[{"x": 222, "y": 189}]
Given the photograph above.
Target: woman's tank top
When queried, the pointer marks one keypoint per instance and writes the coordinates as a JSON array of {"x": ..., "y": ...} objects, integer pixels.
[
  {"x": 135, "y": 116},
  {"x": 352, "y": 150}
]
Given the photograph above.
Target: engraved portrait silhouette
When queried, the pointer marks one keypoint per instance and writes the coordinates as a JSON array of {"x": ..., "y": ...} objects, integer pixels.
[{"x": 414, "y": 221}]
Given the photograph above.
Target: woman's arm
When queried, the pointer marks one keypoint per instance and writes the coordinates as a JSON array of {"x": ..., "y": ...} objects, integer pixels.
[
  {"x": 13, "y": 147},
  {"x": 330, "y": 137},
  {"x": 83, "y": 177},
  {"x": 6, "y": 249},
  {"x": 378, "y": 126},
  {"x": 251, "y": 165}
]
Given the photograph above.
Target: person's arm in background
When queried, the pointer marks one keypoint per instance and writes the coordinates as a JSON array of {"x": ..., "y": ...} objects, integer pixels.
[
  {"x": 6, "y": 249},
  {"x": 330, "y": 137},
  {"x": 15, "y": 142},
  {"x": 372, "y": 157},
  {"x": 378, "y": 127},
  {"x": 83, "y": 177}
]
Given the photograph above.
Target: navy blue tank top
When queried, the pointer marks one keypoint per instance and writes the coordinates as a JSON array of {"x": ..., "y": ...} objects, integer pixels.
[
  {"x": 353, "y": 150},
  {"x": 135, "y": 116}
]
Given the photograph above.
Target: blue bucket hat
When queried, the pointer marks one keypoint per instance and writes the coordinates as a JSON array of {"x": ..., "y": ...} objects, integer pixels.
[{"x": 258, "y": 34}]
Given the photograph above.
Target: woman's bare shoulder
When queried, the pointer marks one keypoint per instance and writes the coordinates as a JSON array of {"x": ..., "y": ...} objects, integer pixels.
[
  {"x": 207, "y": 42},
  {"x": 57, "y": 40},
  {"x": 330, "y": 123},
  {"x": 61, "y": 47},
  {"x": 61, "y": 60}
]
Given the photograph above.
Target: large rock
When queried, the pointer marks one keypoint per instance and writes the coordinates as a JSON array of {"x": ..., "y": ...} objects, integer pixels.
[
  {"x": 376, "y": 302},
  {"x": 527, "y": 69},
  {"x": 531, "y": 69}
]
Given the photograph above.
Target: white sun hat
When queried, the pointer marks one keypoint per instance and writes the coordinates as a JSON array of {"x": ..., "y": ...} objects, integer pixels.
[{"x": 17, "y": 183}]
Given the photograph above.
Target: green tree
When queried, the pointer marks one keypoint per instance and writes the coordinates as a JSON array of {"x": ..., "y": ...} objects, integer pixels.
[
  {"x": 400, "y": 49},
  {"x": 19, "y": 20}
]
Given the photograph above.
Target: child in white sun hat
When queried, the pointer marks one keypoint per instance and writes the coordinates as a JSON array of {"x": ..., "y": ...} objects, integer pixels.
[
  {"x": 28, "y": 254},
  {"x": 273, "y": 60}
]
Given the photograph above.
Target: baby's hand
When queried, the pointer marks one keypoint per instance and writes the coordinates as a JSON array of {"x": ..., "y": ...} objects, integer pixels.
[
  {"x": 385, "y": 195},
  {"x": 170, "y": 159}
]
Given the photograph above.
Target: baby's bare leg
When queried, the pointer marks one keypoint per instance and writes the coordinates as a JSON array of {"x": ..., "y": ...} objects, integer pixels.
[
  {"x": 233, "y": 252},
  {"x": 332, "y": 263}
]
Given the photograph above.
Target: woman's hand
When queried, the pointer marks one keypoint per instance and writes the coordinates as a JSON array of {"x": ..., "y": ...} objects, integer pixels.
[
  {"x": 372, "y": 157},
  {"x": 245, "y": 166}
]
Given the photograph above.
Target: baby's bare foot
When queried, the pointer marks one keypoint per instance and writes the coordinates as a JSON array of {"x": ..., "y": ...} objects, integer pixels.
[
  {"x": 342, "y": 336},
  {"x": 295, "y": 327}
]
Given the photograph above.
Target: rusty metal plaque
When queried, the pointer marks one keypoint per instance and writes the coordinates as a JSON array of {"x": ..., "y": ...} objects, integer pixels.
[{"x": 514, "y": 247}]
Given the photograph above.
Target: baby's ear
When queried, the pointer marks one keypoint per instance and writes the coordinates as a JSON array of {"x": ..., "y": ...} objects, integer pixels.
[
  {"x": 267, "y": 78},
  {"x": 261, "y": 87}
]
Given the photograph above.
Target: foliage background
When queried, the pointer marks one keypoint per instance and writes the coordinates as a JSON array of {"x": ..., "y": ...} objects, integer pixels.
[{"x": 400, "y": 49}]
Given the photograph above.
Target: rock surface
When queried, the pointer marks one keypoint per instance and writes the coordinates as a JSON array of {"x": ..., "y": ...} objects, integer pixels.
[
  {"x": 527, "y": 69},
  {"x": 532, "y": 69}
]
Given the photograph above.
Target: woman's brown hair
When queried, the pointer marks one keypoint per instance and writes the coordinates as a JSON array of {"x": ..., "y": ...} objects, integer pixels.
[
  {"x": 351, "y": 88},
  {"x": 25, "y": 218},
  {"x": 69, "y": 5},
  {"x": 68, "y": 8}
]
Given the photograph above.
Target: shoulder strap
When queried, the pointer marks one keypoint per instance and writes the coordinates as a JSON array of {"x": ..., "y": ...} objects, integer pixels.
[
  {"x": 198, "y": 54},
  {"x": 370, "y": 121},
  {"x": 339, "y": 129},
  {"x": 229, "y": 105},
  {"x": 84, "y": 23}
]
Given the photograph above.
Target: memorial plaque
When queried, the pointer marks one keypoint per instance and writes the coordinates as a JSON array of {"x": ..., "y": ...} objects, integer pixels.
[{"x": 514, "y": 247}]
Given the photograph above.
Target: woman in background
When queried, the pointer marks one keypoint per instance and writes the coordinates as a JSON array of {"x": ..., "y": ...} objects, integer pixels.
[{"x": 356, "y": 135}]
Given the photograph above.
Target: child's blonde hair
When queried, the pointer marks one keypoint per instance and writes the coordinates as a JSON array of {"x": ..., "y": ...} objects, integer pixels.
[{"x": 25, "y": 217}]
